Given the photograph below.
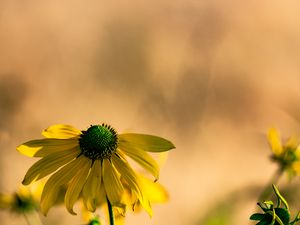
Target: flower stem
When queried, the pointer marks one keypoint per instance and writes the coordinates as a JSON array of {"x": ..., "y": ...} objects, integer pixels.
[
  {"x": 27, "y": 219},
  {"x": 110, "y": 212},
  {"x": 268, "y": 189},
  {"x": 32, "y": 218}
]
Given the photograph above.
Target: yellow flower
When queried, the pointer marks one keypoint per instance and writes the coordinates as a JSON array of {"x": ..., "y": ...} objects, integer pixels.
[
  {"x": 24, "y": 200},
  {"x": 286, "y": 155},
  {"x": 91, "y": 164}
]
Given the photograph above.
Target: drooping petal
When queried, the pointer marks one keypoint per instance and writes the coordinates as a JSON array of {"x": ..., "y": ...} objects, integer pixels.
[
  {"x": 92, "y": 187},
  {"x": 274, "y": 141},
  {"x": 86, "y": 215},
  {"x": 49, "y": 164},
  {"x": 141, "y": 157},
  {"x": 133, "y": 182},
  {"x": 146, "y": 142},
  {"x": 113, "y": 186},
  {"x": 120, "y": 220},
  {"x": 119, "y": 216},
  {"x": 156, "y": 193},
  {"x": 44, "y": 147},
  {"x": 76, "y": 184},
  {"x": 61, "y": 131},
  {"x": 55, "y": 182}
]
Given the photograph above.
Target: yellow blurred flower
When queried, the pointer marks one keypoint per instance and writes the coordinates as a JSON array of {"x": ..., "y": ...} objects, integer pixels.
[
  {"x": 287, "y": 155},
  {"x": 91, "y": 164},
  {"x": 24, "y": 200}
]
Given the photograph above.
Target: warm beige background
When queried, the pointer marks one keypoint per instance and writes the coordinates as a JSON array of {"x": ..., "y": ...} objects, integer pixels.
[{"x": 212, "y": 76}]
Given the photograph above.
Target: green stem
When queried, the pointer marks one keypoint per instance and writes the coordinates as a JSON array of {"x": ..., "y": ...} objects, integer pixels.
[
  {"x": 111, "y": 213},
  {"x": 268, "y": 189}
]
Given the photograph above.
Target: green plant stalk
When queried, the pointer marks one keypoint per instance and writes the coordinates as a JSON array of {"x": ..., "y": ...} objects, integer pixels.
[
  {"x": 110, "y": 212},
  {"x": 268, "y": 189},
  {"x": 32, "y": 218}
]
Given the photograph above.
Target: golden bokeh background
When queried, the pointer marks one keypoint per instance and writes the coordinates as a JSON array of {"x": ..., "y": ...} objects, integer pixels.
[{"x": 212, "y": 76}]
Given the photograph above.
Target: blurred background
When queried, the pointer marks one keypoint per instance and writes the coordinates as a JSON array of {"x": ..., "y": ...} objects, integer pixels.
[{"x": 212, "y": 76}]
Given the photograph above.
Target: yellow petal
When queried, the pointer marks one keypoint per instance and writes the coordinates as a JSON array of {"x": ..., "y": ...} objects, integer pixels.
[
  {"x": 6, "y": 201},
  {"x": 141, "y": 157},
  {"x": 86, "y": 215},
  {"x": 120, "y": 220},
  {"x": 146, "y": 142},
  {"x": 49, "y": 164},
  {"x": 133, "y": 182},
  {"x": 113, "y": 186},
  {"x": 92, "y": 187},
  {"x": 292, "y": 142},
  {"x": 156, "y": 193},
  {"x": 35, "y": 189},
  {"x": 297, "y": 152},
  {"x": 274, "y": 141},
  {"x": 76, "y": 184},
  {"x": 119, "y": 216},
  {"x": 55, "y": 182},
  {"x": 43, "y": 147},
  {"x": 296, "y": 167},
  {"x": 61, "y": 131}
]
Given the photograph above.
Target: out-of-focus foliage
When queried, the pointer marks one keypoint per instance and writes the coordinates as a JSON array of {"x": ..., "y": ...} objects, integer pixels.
[
  {"x": 220, "y": 215},
  {"x": 275, "y": 214},
  {"x": 226, "y": 210}
]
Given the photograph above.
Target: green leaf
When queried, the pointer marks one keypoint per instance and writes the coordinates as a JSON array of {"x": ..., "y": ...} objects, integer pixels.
[
  {"x": 257, "y": 216},
  {"x": 263, "y": 222},
  {"x": 283, "y": 214},
  {"x": 267, "y": 220}
]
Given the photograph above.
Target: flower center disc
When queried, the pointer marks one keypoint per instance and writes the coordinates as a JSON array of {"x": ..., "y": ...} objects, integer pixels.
[{"x": 98, "y": 142}]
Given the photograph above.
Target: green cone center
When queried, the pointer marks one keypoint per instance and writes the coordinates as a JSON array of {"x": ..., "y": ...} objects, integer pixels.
[
  {"x": 98, "y": 142},
  {"x": 22, "y": 204}
]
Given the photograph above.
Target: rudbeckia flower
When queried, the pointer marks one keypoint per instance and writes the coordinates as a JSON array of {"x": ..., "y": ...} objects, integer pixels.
[
  {"x": 287, "y": 155},
  {"x": 91, "y": 164},
  {"x": 24, "y": 200}
]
